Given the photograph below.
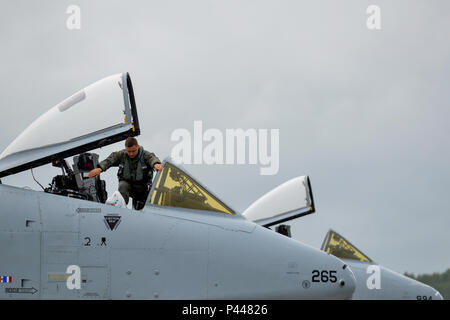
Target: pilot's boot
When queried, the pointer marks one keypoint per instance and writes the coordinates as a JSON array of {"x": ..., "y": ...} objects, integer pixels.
[{"x": 138, "y": 205}]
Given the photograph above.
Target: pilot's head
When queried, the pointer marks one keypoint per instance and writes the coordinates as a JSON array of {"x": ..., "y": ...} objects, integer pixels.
[{"x": 132, "y": 147}]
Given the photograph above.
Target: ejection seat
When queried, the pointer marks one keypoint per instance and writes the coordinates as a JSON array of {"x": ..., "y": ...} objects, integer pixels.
[
  {"x": 82, "y": 165},
  {"x": 75, "y": 183}
]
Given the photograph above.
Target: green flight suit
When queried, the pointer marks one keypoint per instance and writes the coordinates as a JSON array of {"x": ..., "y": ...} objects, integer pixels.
[{"x": 134, "y": 184}]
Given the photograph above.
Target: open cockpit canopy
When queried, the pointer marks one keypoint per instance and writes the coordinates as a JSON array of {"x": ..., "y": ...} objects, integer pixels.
[
  {"x": 290, "y": 200},
  {"x": 173, "y": 187},
  {"x": 98, "y": 115},
  {"x": 338, "y": 246}
]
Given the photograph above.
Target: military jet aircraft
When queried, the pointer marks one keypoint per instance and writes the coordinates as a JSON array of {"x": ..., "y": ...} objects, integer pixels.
[
  {"x": 66, "y": 243},
  {"x": 373, "y": 281}
]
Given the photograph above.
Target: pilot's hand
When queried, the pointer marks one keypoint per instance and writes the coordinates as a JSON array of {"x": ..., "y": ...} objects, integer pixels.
[
  {"x": 95, "y": 172},
  {"x": 158, "y": 167}
]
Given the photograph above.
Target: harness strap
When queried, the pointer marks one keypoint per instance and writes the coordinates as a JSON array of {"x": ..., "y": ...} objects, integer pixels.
[{"x": 147, "y": 173}]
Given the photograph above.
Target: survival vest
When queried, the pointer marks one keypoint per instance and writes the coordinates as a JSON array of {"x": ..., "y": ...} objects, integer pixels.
[{"x": 142, "y": 173}]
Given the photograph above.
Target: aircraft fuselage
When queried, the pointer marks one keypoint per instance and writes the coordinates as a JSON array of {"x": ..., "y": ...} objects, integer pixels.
[{"x": 155, "y": 253}]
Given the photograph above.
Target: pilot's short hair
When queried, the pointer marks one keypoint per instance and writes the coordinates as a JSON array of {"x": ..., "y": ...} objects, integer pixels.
[{"x": 131, "y": 141}]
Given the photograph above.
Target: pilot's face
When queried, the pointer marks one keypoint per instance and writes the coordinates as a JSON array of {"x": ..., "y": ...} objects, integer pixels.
[{"x": 132, "y": 151}]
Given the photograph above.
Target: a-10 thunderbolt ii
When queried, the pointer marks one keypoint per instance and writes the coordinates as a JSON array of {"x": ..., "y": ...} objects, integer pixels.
[
  {"x": 373, "y": 281},
  {"x": 66, "y": 243}
]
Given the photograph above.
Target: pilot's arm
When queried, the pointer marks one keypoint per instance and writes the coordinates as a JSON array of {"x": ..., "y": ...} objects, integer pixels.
[
  {"x": 112, "y": 161},
  {"x": 152, "y": 160}
]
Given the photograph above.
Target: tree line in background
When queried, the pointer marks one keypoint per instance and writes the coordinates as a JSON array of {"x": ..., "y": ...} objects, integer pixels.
[{"x": 439, "y": 281}]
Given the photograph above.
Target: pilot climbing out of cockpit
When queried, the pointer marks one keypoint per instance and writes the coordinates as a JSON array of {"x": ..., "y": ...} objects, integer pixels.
[{"x": 135, "y": 171}]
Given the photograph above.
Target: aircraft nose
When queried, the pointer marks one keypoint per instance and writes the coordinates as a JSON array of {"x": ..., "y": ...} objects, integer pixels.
[
  {"x": 421, "y": 291},
  {"x": 438, "y": 296},
  {"x": 347, "y": 281},
  {"x": 429, "y": 294},
  {"x": 338, "y": 283}
]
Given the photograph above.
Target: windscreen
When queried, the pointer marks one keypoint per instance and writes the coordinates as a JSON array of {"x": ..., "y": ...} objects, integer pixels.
[
  {"x": 175, "y": 188},
  {"x": 339, "y": 247}
]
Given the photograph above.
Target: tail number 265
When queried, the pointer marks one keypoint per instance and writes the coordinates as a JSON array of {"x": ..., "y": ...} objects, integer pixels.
[{"x": 324, "y": 276}]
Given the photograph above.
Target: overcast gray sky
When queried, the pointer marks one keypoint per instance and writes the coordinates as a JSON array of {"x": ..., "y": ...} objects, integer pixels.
[{"x": 365, "y": 113}]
